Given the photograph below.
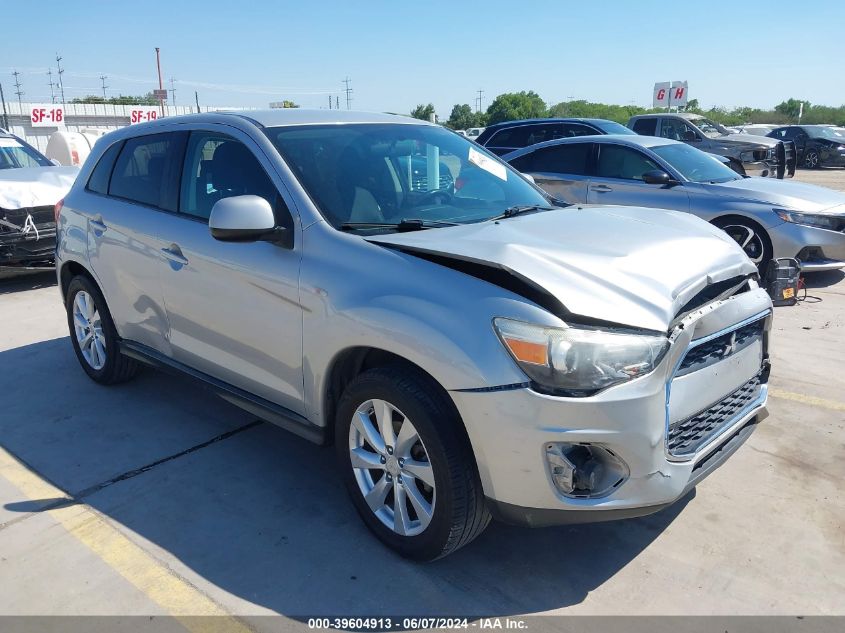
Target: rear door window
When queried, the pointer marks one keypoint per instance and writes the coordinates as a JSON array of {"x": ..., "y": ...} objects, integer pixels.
[
  {"x": 577, "y": 129},
  {"x": 139, "y": 174},
  {"x": 571, "y": 158},
  {"x": 646, "y": 127}
]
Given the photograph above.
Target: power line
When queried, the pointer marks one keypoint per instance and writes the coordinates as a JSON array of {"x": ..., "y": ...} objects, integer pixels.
[
  {"x": 348, "y": 92},
  {"x": 18, "y": 90},
  {"x": 478, "y": 100},
  {"x": 103, "y": 81},
  {"x": 61, "y": 72}
]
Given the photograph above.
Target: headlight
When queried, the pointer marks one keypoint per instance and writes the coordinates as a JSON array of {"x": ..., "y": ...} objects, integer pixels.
[
  {"x": 576, "y": 361},
  {"x": 831, "y": 222}
]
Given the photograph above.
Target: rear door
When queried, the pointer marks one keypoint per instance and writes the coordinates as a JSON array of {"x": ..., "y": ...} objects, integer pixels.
[
  {"x": 233, "y": 308},
  {"x": 618, "y": 179},
  {"x": 562, "y": 170},
  {"x": 126, "y": 193}
]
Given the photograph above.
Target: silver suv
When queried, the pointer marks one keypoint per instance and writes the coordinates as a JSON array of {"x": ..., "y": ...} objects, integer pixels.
[{"x": 470, "y": 350}]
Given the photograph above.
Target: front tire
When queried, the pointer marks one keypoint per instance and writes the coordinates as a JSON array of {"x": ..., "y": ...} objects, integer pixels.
[
  {"x": 407, "y": 464},
  {"x": 94, "y": 336},
  {"x": 812, "y": 160},
  {"x": 751, "y": 237}
]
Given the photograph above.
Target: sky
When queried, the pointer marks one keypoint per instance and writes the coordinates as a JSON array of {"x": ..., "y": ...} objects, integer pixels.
[{"x": 399, "y": 54}]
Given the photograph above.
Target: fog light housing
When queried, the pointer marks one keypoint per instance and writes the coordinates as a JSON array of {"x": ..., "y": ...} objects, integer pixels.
[{"x": 585, "y": 470}]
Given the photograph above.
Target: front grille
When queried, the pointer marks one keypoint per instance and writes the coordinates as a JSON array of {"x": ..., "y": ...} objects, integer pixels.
[
  {"x": 42, "y": 217},
  {"x": 720, "y": 347},
  {"x": 687, "y": 436}
]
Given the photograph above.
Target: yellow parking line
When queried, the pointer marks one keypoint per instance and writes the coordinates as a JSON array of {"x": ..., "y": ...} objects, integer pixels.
[
  {"x": 168, "y": 590},
  {"x": 810, "y": 400}
]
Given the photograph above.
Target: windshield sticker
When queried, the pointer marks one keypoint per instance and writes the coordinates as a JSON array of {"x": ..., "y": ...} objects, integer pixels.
[
  {"x": 9, "y": 142},
  {"x": 487, "y": 164}
]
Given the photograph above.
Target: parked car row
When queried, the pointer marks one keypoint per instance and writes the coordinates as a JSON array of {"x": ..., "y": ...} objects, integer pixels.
[{"x": 473, "y": 350}]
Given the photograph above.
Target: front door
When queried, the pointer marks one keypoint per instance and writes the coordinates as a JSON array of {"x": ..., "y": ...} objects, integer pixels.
[{"x": 618, "y": 179}]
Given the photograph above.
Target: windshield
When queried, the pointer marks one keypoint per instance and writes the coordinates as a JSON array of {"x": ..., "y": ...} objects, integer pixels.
[
  {"x": 826, "y": 132},
  {"x": 387, "y": 173},
  {"x": 695, "y": 165},
  {"x": 612, "y": 127},
  {"x": 710, "y": 128},
  {"x": 14, "y": 155}
]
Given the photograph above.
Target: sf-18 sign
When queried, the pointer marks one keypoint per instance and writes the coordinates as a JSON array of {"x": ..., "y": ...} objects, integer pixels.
[
  {"x": 667, "y": 94},
  {"x": 47, "y": 115},
  {"x": 142, "y": 114}
]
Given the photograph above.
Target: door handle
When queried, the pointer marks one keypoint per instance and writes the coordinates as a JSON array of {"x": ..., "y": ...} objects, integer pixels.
[
  {"x": 601, "y": 188},
  {"x": 97, "y": 225},
  {"x": 174, "y": 254}
]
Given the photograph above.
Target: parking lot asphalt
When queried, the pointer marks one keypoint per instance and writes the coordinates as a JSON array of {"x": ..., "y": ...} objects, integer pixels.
[{"x": 156, "y": 498}]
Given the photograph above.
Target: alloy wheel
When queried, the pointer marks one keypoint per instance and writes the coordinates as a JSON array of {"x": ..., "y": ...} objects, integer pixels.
[
  {"x": 750, "y": 241},
  {"x": 811, "y": 160},
  {"x": 391, "y": 467},
  {"x": 88, "y": 329}
]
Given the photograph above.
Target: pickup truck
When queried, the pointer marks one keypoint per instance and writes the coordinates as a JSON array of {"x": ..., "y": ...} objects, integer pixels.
[{"x": 748, "y": 155}]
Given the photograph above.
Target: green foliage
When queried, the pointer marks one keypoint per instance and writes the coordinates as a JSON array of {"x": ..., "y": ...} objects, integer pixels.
[
  {"x": 587, "y": 110},
  {"x": 516, "y": 105},
  {"x": 289, "y": 104},
  {"x": 423, "y": 112},
  {"x": 463, "y": 118},
  {"x": 147, "y": 99}
]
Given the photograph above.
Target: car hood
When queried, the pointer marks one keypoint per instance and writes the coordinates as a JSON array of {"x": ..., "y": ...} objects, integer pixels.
[
  {"x": 787, "y": 194},
  {"x": 627, "y": 265},
  {"x": 747, "y": 140},
  {"x": 35, "y": 186}
]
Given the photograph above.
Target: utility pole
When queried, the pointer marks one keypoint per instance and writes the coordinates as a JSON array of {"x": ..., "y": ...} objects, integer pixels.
[
  {"x": 173, "y": 89},
  {"x": 337, "y": 103},
  {"x": 348, "y": 91},
  {"x": 103, "y": 81},
  {"x": 18, "y": 90},
  {"x": 330, "y": 102},
  {"x": 5, "y": 115},
  {"x": 61, "y": 72},
  {"x": 160, "y": 84},
  {"x": 52, "y": 86},
  {"x": 197, "y": 97},
  {"x": 478, "y": 100}
]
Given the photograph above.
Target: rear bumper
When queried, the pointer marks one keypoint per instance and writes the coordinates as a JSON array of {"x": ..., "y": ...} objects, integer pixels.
[{"x": 21, "y": 250}]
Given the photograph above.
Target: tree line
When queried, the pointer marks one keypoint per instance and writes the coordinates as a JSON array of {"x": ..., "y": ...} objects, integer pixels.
[{"x": 529, "y": 105}]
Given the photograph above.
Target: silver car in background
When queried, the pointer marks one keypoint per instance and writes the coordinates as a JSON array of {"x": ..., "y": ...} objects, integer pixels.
[
  {"x": 766, "y": 216},
  {"x": 471, "y": 349}
]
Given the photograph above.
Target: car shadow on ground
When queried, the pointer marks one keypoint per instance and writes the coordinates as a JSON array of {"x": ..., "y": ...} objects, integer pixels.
[
  {"x": 261, "y": 514},
  {"x": 824, "y": 279},
  {"x": 12, "y": 280}
]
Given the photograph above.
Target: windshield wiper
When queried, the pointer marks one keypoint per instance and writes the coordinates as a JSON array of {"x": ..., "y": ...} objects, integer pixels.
[
  {"x": 518, "y": 209},
  {"x": 404, "y": 226}
]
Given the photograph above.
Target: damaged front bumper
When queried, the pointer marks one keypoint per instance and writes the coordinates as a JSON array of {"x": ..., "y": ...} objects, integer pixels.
[
  {"x": 649, "y": 430},
  {"x": 27, "y": 237}
]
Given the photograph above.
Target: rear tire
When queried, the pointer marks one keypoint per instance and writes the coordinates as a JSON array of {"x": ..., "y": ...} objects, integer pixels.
[
  {"x": 419, "y": 521},
  {"x": 94, "y": 336},
  {"x": 812, "y": 160}
]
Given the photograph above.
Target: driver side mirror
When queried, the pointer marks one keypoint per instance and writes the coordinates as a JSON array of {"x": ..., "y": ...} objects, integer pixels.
[
  {"x": 245, "y": 219},
  {"x": 689, "y": 135},
  {"x": 658, "y": 177}
]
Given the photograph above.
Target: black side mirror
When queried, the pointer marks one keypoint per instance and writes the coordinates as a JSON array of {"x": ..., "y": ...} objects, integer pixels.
[
  {"x": 689, "y": 135},
  {"x": 658, "y": 177}
]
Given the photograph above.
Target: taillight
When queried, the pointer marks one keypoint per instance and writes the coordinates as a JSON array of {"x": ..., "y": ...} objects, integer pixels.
[{"x": 58, "y": 209}]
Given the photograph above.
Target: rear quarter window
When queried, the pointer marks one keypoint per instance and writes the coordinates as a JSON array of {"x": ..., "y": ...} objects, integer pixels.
[{"x": 99, "y": 180}]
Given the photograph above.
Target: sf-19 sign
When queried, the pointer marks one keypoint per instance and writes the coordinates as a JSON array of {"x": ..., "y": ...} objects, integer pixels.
[
  {"x": 143, "y": 114},
  {"x": 47, "y": 115}
]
